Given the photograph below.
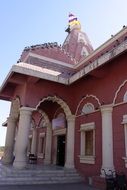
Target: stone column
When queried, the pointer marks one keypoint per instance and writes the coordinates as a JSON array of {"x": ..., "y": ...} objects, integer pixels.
[
  {"x": 20, "y": 161},
  {"x": 34, "y": 141},
  {"x": 107, "y": 139},
  {"x": 70, "y": 142},
  {"x": 10, "y": 139},
  {"x": 47, "y": 159}
]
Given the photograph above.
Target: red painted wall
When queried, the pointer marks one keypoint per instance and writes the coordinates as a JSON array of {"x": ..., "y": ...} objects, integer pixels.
[
  {"x": 89, "y": 169},
  {"x": 103, "y": 84},
  {"x": 118, "y": 137}
]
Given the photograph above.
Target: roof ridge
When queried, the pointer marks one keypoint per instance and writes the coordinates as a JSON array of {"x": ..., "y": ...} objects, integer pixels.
[
  {"x": 52, "y": 45},
  {"x": 44, "y": 45}
]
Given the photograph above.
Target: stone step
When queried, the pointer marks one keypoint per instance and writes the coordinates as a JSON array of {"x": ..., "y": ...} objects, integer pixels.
[
  {"x": 46, "y": 180},
  {"x": 45, "y": 175},
  {"x": 39, "y": 172},
  {"x": 19, "y": 182},
  {"x": 40, "y": 175},
  {"x": 40, "y": 178}
]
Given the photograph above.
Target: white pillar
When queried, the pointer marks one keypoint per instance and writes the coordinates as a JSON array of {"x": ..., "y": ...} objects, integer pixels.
[
  {"x": 47, "y": 159},
  {"x": 124, "y": 122},
  {"x": 70, "y": 142},
  {"x": 34, "y": 141},
  {"x": 9, "y": 143},
  {"x": 107, "y": 139},
  {"x": 22, "y": 138}
]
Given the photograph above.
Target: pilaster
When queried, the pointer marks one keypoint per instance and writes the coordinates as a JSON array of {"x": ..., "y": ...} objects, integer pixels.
[
  {"x": 124, "y": 122},
  {"x": 34, "y": 141},
  {"x": 107, "y": 138},
  {"x": 70, "y": 142},
  {"x": 47, "y": 159}
]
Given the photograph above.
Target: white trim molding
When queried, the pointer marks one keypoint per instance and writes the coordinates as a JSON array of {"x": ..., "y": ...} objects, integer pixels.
[
  {"x": 87, "y": 96},
  {"x": 125, "y": 97},
  {"x": 59, "y": 132},
  {"x": 118, "y": 90},
  {"x": 87, "y": 159}
]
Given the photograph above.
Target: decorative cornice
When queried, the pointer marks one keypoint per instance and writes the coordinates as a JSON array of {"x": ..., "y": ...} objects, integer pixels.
[
  {"x": 30, "y": 54},
  {"x": 99, "y": 62},
  {"x": 106, "y": 108},
  {"x": 104, "y": 45}
]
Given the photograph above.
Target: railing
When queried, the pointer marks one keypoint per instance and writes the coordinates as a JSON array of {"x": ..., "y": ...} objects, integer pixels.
[{"x": 115, "y": 180}]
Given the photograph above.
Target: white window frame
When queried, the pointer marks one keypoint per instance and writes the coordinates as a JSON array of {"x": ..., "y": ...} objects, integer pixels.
[
  {"x": 41, "y": 154},
  {"x": 124, "y": 122},
  {"x": 85, "y": 158}
]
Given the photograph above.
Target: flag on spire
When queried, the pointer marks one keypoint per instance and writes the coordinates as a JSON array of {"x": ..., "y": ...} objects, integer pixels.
[
  {"x": 73, "y": 20},
  {"x": 73, "y": 23}
]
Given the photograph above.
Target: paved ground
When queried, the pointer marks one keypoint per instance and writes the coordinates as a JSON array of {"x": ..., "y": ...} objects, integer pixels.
[{"x": 77, "y": 186}]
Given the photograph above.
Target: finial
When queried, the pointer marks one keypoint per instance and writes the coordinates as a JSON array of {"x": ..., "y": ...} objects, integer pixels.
[{"x": 73, "y": 23}]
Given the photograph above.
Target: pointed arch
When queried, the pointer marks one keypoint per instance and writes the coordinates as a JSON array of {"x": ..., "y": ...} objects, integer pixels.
[
  {"x": 87, "y": 96},
  {"x": 118, "y": 90},
  {"x": 58, "y": 100}
]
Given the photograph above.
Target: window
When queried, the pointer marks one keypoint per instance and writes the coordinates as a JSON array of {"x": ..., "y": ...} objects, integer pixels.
[
  {"x": 88, "y": 108},
  {"x": 89, "y": 143},
  {"x": 59, "y": 122},
  {"x": 87, "y": 153},
  {"x": 41, "y": 147}
]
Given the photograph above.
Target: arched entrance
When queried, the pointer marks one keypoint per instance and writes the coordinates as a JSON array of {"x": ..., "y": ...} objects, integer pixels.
[
  {"x": 59, "y": 126},
  {"x": 63, "y": 137}
]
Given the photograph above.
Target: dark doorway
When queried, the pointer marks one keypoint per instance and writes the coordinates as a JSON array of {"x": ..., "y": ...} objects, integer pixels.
[{"x": 61, "y": 150}]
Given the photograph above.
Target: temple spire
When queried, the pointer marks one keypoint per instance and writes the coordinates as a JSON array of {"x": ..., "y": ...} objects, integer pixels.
[{"x": 76, "y": 43}]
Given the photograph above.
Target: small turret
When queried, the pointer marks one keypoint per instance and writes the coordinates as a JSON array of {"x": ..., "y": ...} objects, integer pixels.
[{"x": 76, "y": 43}]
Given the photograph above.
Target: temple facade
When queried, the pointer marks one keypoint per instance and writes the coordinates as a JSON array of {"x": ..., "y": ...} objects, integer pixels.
[{"x": 69, "y": 104}]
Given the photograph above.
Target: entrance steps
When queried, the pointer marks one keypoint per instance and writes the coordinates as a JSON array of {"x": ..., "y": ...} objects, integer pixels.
[{"x": 35, "y": 174}]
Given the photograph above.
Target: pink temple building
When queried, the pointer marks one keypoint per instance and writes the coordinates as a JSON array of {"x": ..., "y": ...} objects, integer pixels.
[{"x": 69, "y": 105}]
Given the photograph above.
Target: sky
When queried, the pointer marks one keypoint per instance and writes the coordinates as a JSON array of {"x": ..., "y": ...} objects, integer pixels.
[{"x": 29, "y": 22}]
